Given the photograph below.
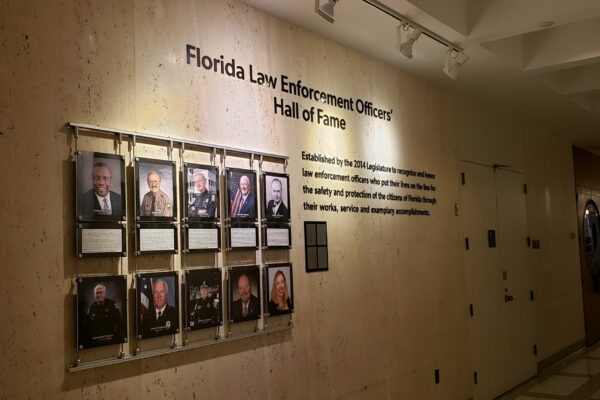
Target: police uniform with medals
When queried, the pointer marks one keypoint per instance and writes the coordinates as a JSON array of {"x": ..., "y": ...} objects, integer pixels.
[
  {"x": 158, "y": 205},
  {"x": 206, "y": 310},
  {"x": 202, "y": 201},
  {"x": 104, "y": 322}
]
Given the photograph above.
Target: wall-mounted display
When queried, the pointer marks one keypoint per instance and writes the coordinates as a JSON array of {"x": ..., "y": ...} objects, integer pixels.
[
  {"x": 279, "y": 289},
  {"x": 200, "y": 237},
  {"x": 100, "y": 186},
  {"x": 244, "y": 293},
  {"x": 316, "y": 246},
  {"x": 241, "y": 194},
  {"x": 243, "y": 237},
  {"x": 277, "y": 236},
  {"x": 103, "y": 239},
  {"x": 101, "y": 311},
  {"x": 276, "y": 197},
  {"x": 157, "y": 304},
  {"x": 156, "y": 239},
  {"x": 155, "y": 190},
  {"x": 201, "y": 192},
  {"x": 203, "y": 298}
]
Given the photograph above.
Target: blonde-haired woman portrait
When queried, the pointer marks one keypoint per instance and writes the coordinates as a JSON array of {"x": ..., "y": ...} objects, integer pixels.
[{"x": 280, "y": 302}]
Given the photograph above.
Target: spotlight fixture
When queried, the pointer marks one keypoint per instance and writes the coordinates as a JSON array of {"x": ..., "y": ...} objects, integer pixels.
[
  {"x": 325, "y": 9},
  {"x": 406, "y": 36},
  {"x": 454, "y": 59}
]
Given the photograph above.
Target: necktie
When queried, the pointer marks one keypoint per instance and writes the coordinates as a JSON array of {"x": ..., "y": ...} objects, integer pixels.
[
  {"x": 159, "y": 314},
  {"x": 152, "y": 209},
  {"x": 245, "y": 310},
  {"x": 105, "y": 207}
]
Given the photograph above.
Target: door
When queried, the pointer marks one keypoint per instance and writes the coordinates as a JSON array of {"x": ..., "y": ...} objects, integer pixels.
[
  {"x": 493, "y": 218},
  {"x": 588, "y": 201}
]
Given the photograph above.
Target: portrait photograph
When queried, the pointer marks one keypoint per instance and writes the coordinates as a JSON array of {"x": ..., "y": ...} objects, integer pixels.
[
  {"x": 157, "y": 304},
  {"x": 100, "y": 187},
  {"x": 244, "y": 293},
  {"x": 276, "y": 197},
  {"x": 279, "y": 298},
  {"x": 101, "y": 311},
  {"x": 203, "y": 298},
  {"x": 241, "y": 198},
  {"x": 155, "y": 190},
  {"x": 201, "y": 192}
]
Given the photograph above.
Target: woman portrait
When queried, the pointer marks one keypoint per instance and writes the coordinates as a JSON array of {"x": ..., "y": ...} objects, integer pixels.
[{"x": 280, "y": 301}]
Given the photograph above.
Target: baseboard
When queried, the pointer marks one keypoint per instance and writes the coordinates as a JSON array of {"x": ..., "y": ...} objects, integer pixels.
[{"x": 560, "y": 355}]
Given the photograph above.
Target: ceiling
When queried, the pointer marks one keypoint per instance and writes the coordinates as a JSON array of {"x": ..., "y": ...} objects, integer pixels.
[{"x": 538, "y": 59}]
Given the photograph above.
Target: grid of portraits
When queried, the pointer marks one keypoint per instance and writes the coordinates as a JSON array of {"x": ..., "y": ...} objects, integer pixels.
[{"x": 207, "y": 301}]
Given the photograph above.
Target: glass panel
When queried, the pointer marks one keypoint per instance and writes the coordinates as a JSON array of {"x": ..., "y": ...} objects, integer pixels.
[
  {"x": 323, "y": 263},
  {"x": 322, "y": 234},
  {"x": 311, "y": 259},
  {"x": 311, "y": 234}
]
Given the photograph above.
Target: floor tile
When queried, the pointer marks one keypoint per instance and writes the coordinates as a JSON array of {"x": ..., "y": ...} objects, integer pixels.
[
  {"x": 583, "y": 366},
  {"x": 559, "y": 385}
]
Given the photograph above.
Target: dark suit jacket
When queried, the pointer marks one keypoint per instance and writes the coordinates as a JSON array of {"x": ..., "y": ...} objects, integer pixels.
[
  {"x": 248, "y": 209},
  {"x": 282, "y": 211},
  {"x": 253, "y": 310},
  {"x": 90, "y": 207},
  {"x": 167, "y": 324}
]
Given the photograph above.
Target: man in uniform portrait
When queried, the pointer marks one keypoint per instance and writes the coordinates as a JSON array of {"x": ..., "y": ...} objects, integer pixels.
[
  {"x": 162, "y": 318},
  {"x": 244, "y": 203},
  {"x": 247, "y": 307},
  {"x": 103, "y": 321},
  {"x": 203, "y": 203},
  {"x": 276, "y": 208},
  {"x": 100, "y": 200},
  {"x": 206, "y": 309},
  {"x": 156, "y": 202}
]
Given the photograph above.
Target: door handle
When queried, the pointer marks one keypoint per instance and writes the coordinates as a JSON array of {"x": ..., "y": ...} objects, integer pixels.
[{"x": 508, "y": 297}]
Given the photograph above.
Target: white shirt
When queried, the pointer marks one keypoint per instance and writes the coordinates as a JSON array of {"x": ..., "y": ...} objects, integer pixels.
[
  {"x": 101, "y": 202},
  {"x": 159, "y": 312}
]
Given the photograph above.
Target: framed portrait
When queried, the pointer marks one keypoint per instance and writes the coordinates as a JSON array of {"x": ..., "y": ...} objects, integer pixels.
[
  {"x": 243, "y": 237},
  {"x": 241, "y": 195},
  {"x": 279, "y": 289},
  {"x": 101, "y": 311},
  {"x": 100, "y": 187},
  {"x": 200, "y": 192},
  {"x": 277, "y": 236},
  {"x": 155, "y": 191},
  {"x": 157, "y": 305},
  {"x": 244, "y": 293},
  {"x": 155, "y": 238},
  {"x": 276, "y": 197},
  {"x": 101, "y": 239},
  {"x": 203, "y": 298},
  {"x": 199, "y": 237}
]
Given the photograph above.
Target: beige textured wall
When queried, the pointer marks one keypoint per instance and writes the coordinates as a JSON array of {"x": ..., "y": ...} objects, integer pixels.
[{"x": 392, "y": 307}]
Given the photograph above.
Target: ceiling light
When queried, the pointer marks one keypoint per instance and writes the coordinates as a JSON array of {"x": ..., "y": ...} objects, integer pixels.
[
  {"x": 325, "y": 9},
  {"x": 454, "y": 59},
  {"x": 406, "y": 36}
]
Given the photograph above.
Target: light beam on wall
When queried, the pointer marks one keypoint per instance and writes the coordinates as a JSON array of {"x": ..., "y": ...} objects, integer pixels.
[{"x": 325, "y": 9}]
